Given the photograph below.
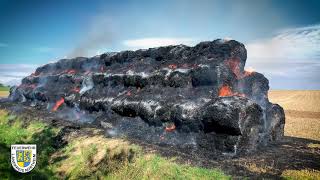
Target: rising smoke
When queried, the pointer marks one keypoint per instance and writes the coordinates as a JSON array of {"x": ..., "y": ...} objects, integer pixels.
[{"x": 100, "y": 33}]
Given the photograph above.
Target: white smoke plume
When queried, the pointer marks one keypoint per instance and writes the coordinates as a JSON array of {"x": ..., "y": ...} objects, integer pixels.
[{"x": 100, "y": 33}]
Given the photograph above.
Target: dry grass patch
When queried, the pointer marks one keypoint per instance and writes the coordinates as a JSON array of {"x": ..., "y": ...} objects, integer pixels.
[
  {"x": 252, "y": 167},
  {"x": 306, "y": 174},
  {"x": 92, "y": 156},
  {"x": 4, "y": 93},
  {"x": 314, "y": 146}
]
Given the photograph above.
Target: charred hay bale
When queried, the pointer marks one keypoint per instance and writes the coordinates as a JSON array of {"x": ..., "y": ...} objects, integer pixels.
[
  {"x": 275, "y": 118},
  {"x": 236, "y": 121},
  {"x": 202, "y": 90},
  {"x": 231, "y": 115},
  {"x": 256, "y": 87}
]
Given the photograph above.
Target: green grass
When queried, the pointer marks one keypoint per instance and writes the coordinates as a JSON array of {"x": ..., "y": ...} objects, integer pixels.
[
  {"x": 4, "y": 88},
  {"x": 14, "y": 130},
  {"x": 87, "y": 157},
  {"x": 156, "y": 167}
]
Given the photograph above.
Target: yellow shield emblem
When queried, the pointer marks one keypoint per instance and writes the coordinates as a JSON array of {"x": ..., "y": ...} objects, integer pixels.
[{"x": 23, "y": 157}]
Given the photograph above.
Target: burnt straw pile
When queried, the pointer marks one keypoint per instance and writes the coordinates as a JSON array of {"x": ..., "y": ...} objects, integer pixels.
[{"x": 187, "y": 97}]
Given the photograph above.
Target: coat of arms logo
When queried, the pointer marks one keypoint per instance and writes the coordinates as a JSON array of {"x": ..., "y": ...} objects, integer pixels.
[{"x": 23, "y": 157}]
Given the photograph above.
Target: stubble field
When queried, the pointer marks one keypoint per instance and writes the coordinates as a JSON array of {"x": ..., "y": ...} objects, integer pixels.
[{"x": 302, "y": 109}]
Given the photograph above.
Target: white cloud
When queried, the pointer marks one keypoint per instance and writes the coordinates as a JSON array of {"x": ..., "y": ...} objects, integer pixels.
[
  {"x": 3, "y": 45},
  {"x": 292, "y": 55},
  {"x": 11, "y": 74},
  {"x": 156, "y": 42},
  {"x": 293, "y": 44}
]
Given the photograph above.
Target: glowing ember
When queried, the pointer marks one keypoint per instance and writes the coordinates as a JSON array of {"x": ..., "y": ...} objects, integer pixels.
[
  {"x": 239, "y": 94},
  {"x": 185, "y": 65},
  {"x": 161, "y": 137},
  {"x": 234, "y": 65},
  {"x": 87, "y": 72},
  {"x": 32, "y": 86},
  {"x": 70, "y": 71},
  {"x": 58, "y": 104},
  {"x": 76, "y": 90},
  {"x": 173, "y": 66},
  {"x": 102, "y": 69},
  {"x": 35, "y": 74},
  {"x": 225, "y": 91},
  {"x": 128, "y": 93},
  {"x": 170, "y": 128}
]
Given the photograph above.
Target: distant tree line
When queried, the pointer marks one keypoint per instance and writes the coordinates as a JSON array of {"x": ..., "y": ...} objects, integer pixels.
[{"x": 1, "y": 85}]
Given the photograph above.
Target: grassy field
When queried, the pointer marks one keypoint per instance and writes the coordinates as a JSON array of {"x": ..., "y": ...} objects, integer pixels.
[
  {"x": 4, "y": 91},
  {"x": 4, "y": 88},
  {"x": 87, "y": 157}
]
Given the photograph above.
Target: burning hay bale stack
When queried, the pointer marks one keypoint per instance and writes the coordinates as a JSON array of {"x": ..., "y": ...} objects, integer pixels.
[{"x": 193, "y": 97}]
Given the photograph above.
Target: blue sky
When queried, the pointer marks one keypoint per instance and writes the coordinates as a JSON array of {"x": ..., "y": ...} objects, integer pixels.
[{"x": 282, "y": 36}]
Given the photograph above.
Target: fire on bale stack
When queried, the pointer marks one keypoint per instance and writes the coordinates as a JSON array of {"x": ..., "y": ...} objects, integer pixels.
[{"x": 196, "y": 97}]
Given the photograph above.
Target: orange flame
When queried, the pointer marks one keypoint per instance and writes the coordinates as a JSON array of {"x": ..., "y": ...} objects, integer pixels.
[
  {"x": 58, "y": 104},
  {"x": 225, "y": 90},
  {"x": 173, "y": 66},
  {"x": 234, "y": 65},
  {"x": 170, "y": 128}
]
